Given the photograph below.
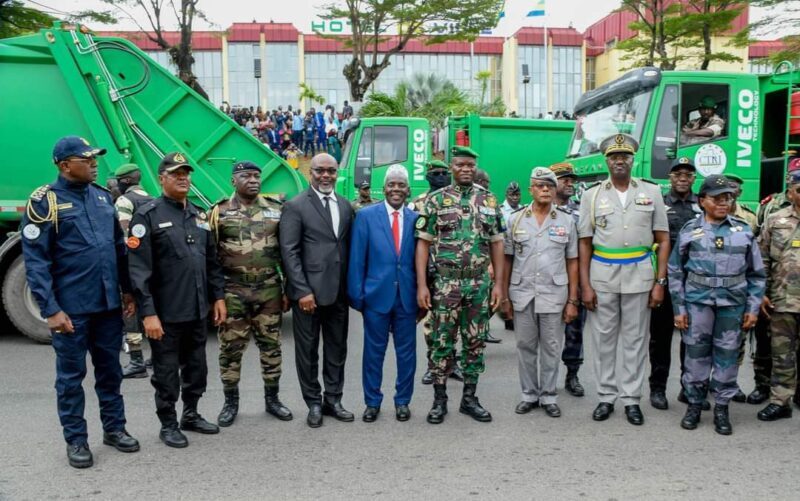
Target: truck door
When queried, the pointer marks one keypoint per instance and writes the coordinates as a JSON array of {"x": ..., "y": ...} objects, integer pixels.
[{"x": 666, "y": 132}]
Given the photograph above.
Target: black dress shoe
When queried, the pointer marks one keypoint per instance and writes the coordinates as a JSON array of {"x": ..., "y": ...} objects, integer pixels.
[
  {"x": 602, "y": 411},
  {"x": 314, "y": 419},
  {"x": 692, "y": 417},
  {"x": 337, "y": 412},
  {"x": 172, "y": 436},
  {"x": 740, "y": 397},
  {"x": 758, "y": 396},
  {"x": 402, "y": 413},
  {"x": 370, "y": 414},
  {"x": 525, "y": 407},
  {"x": 658, "y": 399},
  {"x": 722, "y": 422},
  {"x": 192, "y": 421},
  {"x": 773, "y": 412},
  {"x": 573, "y": 385},
  {"x": 79, "y": 455},
  {"x": 457, "y": 374},
  {"x": 427, "y": 378},
  {"x": 492, "y": 339},
  {"x": 121, "y": 441},
  {"x": 634, "y": 415},
  {"x": 552, "y": 410}
]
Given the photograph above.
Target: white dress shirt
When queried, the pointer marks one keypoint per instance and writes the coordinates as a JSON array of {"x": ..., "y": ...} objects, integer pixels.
[
  {"x": 391, "y": 211},
  {"x": 334, "y": 208}
]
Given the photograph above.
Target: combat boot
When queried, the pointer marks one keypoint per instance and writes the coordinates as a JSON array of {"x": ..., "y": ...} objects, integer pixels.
[
  {"x": 439, "y": 409},
  {"x": 759, "y": 395},
  {"x": 193, "y": 421},
  {"x": 274, "y": 406},
  {"x": 692, "y": 417},
  {"x": 572, "y": 384},
  {"x": 230, "y": 409},
  {"x": 471, "y": 406},
  {"x": 722, "y": 421},
  {"x": 136, "y": 367}
]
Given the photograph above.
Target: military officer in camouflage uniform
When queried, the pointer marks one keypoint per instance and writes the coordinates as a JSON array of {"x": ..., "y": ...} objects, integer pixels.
[
  {"x": 132, "y": 196},
  {"x": 716, "y": 278},
  {"x": 623, "y": 274},
  {"x": 780, "y": 248},
  {"x": 364, "y": 196},
  {"x": 245, "y": 229},
  {"x": 438, "y": 176},
  {"x": 572, "y": 355},
  {"x": 541, "y": 277},
  {"x": 461, "y": 229}
]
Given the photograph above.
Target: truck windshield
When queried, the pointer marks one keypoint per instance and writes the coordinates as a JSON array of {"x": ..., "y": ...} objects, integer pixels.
[{"x": 625, "y": 113}]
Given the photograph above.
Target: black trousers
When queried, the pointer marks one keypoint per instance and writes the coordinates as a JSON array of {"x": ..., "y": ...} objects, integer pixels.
[
  {"x": 331, "y": 322},
  {"x": 662, "y": 324},
  {"x": 179, "y": 367}
]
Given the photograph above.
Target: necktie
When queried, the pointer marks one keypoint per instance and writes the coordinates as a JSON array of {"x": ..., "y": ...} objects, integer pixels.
[
  {"x": 396, "y": 231},
  {"x": 328, "y": 216}
]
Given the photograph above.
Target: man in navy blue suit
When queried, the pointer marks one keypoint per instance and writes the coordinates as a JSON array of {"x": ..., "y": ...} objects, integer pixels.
[{"x": 381, "y": 285}]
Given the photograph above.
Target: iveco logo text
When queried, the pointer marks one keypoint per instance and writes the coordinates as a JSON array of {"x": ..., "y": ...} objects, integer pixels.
[
  {"x": 420, "y": 153},
  {"x": 747, "y": 131}
]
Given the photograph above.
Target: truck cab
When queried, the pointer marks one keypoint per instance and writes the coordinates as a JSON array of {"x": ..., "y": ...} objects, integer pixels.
[
  {"x": 654, "y": 106},
  {"x": 371, "y": 145}
]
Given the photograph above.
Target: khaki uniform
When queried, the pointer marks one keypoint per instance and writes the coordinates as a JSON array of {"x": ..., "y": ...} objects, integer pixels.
[
  {"x": 622, "y": 275},
  {"x": 538, "y": 290}
]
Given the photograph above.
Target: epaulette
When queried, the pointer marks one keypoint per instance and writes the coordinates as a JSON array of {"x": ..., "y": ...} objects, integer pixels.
[
  {"x": 589, "y": 187},
  {"x": 740, "y": 220},
  {"x": 648, "y": 181},
  {"x": 476, "y": 185},
  {"x": 521, "y": 207},
  {"x": 766, "y": 200},
  {"x": 432, "y": 193},
  {"x": 219, "y": 202},
  {"x": 39, "y": 193},
  {"x": 144, "y": 209},
  {"x": 748, "y": 209},
  {"x": 563, "y": 209},
  {"x": 101, "y": 187},
  {"x": 271, "y": 199}
]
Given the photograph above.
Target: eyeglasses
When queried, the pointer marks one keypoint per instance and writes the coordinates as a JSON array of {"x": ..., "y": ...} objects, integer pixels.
[
  {"x": 541, "y": 186},
  {"x": 682, "y": 175},
  {"x": 724, "y": 199},
  {"x": 331, "y": 172}
]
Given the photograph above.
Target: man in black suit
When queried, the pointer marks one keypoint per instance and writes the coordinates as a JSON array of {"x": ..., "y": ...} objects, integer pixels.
[{"x": 314, "y": 240}]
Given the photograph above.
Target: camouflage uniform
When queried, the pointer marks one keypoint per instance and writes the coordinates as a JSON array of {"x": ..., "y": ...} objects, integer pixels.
[
  {"x": 715, "y": 123},
  {"x": 126, "y": 204},
  {"x": 715, "y": 276},
  {"x": 745, "y": 214},
  {"x": 247, "y": 245},
  {"x": 427, "y": 322},
  {"x": 780, "y": 250},
  {"x": 358, "y": 203},
  {"x": 461, "y": 223}
]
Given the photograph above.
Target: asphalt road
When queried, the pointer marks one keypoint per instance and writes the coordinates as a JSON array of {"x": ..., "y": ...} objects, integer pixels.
[{"x": 514, "y": 457}]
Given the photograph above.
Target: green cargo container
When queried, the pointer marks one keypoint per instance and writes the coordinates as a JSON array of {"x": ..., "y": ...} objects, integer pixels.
[{"x": 62, "y": 81}]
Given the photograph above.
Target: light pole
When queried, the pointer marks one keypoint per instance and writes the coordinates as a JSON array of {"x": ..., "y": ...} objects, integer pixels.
[{"x": 526, "y": 79}]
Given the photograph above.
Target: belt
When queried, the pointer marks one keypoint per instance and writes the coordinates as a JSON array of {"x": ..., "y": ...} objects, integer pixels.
[
  {"x": 715, "y": 281},
  {"x": 453, "y": 272},
  {"x": 250, "y": 278},
  {"x": 627, "y": 255}
]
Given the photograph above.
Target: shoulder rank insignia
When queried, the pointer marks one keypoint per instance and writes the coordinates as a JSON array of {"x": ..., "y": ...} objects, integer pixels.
[{"x": 39, "y": 193}]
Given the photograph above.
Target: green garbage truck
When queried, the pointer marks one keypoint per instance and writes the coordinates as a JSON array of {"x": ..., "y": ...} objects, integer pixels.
[
  {"x": 508, "y": 147},
  {"x": 65, "y": 81},
  {"x": 760, "y": 116}
]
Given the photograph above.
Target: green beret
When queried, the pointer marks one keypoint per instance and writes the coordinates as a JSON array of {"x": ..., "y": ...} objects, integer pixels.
[
  {"x": 463, "y": 151},
  {"x": 708, "y": 102},
  {"x": 734, "y": 178},
  {"x": 437, "y": 164},
  {"x": 125, "y": 169}
]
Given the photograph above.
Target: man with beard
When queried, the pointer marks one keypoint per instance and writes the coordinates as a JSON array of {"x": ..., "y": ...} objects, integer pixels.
[{"x": 621, "y": 278}]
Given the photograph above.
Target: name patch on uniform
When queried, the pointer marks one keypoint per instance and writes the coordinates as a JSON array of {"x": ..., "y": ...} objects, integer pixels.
[
  {"x": 642, "y": 199},
  {"x": 487, "y": 211},
  {"x": 444, "y": 212},
  {"x": 133, "y": 242},
  {"x": 795, "y": 244},
  {"x": 138, "y": 230},
  {"x": 168, "y": 224},
  {"x": 64, "y": 206},
  {"x": 557, "y": 231},
  {"x": 696, "y": 235},
  {"x": 271, "y": 214},
  {"x": 31, "y": 231}
]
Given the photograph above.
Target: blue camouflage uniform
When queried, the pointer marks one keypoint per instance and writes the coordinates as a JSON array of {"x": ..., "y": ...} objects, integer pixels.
[
  {"x": 75, "y": 260},
  {"x": 716, "y": 275}
]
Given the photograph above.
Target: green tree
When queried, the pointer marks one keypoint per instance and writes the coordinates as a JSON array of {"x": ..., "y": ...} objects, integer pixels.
[
  {"x": 18, "y": 19},
  {"x": 712, "y": 18},
  {"x": 306, "y": 92},
  {"x": 661, "y": 34},
  {"x": 185, "y": 13},
  {"x": 433, "y": 21}
]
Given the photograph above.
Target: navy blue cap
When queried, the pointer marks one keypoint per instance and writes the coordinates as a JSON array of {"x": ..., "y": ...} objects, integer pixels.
[
  {"x": 245, "y": 165},
  {"x": 715, "y": 185},
  {"x": 794, "y": 177},
  {"x": 172, "y": 162},
  {"x": 75, "y": 146}
]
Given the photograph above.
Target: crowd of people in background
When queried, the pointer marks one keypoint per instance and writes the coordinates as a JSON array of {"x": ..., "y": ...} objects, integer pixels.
[{"x": 291, "y": 133}]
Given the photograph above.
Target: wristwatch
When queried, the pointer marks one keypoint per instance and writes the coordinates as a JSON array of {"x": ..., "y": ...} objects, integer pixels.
[{"x": 661, "y": 281}]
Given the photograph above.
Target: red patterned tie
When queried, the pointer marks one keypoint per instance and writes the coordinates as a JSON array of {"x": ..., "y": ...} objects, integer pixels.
[{"x": 396, "y": 231}]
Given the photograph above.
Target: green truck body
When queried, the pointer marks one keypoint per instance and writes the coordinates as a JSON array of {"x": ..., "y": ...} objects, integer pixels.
[
  {"x": 508, "y": 147},
  {"x": 653, "y": 106},
  {"x": 62, "y": 81}
]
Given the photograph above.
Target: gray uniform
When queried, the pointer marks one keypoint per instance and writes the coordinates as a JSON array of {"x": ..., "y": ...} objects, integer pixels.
[
  {"x": 622, "y": 281},
  {"x": 538, "y": 289}
]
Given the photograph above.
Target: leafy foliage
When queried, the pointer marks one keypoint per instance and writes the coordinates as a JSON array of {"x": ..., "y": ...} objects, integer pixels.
[
  {"x": 18, "y": 19},
  {"x": 306, "y": 92}
]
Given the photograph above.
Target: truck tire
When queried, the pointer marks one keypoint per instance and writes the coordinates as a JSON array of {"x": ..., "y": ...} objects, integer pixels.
[{"x": 20, "y": 306}]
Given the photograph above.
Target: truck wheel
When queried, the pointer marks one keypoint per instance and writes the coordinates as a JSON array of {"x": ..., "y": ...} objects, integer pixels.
[{"x": 20, "y": 305}]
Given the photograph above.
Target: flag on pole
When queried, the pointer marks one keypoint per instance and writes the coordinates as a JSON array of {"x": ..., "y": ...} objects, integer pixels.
[{"x": 538, "y": 9}]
